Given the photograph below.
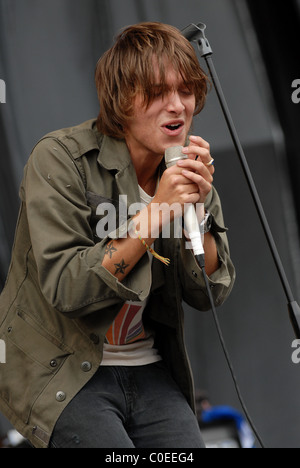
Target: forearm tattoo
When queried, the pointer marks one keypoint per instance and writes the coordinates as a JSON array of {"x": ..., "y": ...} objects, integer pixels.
[
  {"x": 121, "y": 268},
  {"x": 110, "y": 249}
]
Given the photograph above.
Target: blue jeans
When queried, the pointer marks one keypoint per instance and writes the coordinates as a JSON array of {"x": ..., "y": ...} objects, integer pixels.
[{"x": 128, "y": 407}]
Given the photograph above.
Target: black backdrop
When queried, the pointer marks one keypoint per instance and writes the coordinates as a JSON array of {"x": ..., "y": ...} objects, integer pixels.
[
  {"x": 48, "y": 52},
  {"x": 278, "y": 33}
]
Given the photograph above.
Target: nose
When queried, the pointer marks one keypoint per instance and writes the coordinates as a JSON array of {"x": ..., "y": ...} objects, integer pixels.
[{"x": 174, "y": 103}]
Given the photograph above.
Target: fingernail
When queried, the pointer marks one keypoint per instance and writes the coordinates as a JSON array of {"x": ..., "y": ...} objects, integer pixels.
[
  {"x": 185, "y": 150},
  {"x": 192, "y": 137}
]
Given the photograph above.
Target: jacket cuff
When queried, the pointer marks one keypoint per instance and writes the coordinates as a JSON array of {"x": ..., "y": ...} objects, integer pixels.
[
  {"x": 137, "y": 285},
  {"x": 218, "y": 281}
]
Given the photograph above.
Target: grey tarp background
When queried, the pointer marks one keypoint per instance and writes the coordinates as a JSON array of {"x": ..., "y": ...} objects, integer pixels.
[{"x": 48, "y": 53}]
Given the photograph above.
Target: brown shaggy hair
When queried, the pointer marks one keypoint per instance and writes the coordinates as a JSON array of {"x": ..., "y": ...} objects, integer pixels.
[{"x": 127, "y": 69}]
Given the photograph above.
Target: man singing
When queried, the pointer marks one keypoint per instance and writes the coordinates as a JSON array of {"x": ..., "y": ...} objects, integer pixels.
[{"x": 93, "y": 323}]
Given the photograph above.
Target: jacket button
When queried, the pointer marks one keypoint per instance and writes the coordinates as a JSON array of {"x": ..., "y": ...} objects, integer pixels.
[
  {"x": 53, "y": 363},
  {"x": 86, "y": 366},
  {"x": 61, "y": 396}
]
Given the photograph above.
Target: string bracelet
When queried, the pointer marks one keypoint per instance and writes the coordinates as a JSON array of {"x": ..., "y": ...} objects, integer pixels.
[{"x": 165, "y": 261}]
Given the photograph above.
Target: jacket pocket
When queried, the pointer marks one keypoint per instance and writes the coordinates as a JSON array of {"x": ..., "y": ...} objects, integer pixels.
[{"x": 33, "y": 357}]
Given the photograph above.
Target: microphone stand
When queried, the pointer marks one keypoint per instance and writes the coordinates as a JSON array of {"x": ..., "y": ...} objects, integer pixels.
[{"x": 196, "y": 33}]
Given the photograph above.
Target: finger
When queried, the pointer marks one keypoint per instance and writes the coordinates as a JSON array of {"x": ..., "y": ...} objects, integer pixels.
[
  {"x": 175, "y": 176},
  {"x": 198, "y": 167},
  {"x": 190, "y": 164},
  {"x": 204, "y": 160},
  {"x": 200, "y": 142},
  {"x": 204, "y": 186},
  {"x": 198, "y": 150},
  {"x": 195, "y": 152}
]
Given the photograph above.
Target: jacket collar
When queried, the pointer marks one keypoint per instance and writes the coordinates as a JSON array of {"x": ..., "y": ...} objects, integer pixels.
[{"x": 114, "y": 154}]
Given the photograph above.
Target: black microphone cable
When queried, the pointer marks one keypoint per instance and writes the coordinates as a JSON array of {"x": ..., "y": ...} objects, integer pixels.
[{"x": 201, "y": 262}]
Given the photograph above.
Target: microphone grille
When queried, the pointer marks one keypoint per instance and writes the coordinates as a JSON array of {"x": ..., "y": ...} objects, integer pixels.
[{"x": 174, "y": 154}]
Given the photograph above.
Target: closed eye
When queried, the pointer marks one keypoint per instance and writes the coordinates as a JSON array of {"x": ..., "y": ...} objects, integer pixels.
[{"x": 186, "y": 92}]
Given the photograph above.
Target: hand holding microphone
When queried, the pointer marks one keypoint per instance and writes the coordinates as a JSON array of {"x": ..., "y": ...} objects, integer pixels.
[
  {"x": 188, "y": 181},
  {"x": 198, "y": 167},
  {"x": 174, "y": 156}
]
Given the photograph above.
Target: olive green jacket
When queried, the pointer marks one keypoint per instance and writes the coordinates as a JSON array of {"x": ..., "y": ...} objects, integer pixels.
[{"x": 59, "y": 301}]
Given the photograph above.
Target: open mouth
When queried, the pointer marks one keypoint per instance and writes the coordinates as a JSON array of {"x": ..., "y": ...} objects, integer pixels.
[{"x": 173, "y": 128}]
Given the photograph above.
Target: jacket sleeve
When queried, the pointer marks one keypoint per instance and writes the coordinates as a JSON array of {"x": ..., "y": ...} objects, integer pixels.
[
  {"x": 222, "y": 281},
  {"x": 69, "y": 262}
]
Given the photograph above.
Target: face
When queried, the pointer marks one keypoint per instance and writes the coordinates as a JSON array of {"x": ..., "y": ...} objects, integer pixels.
[{"x": 166, "y": 122}]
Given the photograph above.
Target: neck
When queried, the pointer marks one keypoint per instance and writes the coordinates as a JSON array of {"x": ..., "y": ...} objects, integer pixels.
[{"x": 146, "y": 167}]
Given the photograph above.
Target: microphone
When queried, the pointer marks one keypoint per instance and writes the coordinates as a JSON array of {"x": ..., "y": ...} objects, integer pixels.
[{"x": 191, "y": 223}]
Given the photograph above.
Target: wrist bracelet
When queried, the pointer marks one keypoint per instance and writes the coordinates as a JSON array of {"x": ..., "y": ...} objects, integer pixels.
[{"x": 165, "y": 261}]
